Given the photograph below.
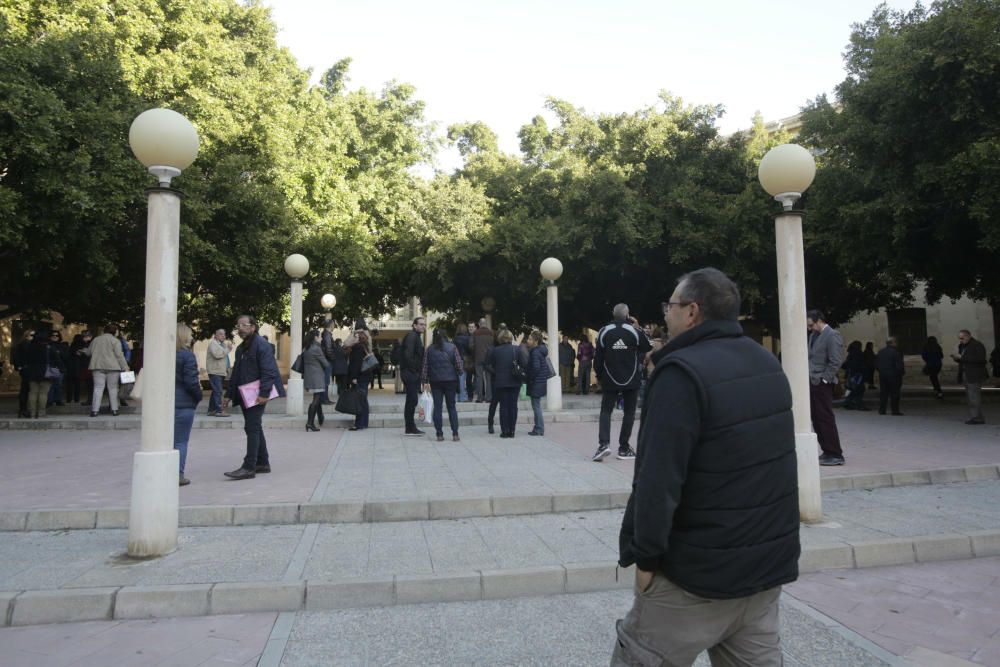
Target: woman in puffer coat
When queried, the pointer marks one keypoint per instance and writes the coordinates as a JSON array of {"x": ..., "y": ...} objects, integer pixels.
[
  {"x": 187, "y": 395},
  {"x": 537, "y": 378}
]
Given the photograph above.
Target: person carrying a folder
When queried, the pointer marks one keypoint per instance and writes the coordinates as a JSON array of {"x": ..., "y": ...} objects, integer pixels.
[{"x": 254, "y": 365}]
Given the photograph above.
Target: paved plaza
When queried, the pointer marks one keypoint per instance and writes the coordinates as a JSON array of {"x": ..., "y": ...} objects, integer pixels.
[{"x": 374, "y": 548}]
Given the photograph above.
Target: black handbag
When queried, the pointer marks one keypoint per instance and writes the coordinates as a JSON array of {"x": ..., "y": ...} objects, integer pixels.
[
  {"x": 349, "y": 401},
  {"x": 298, "y": 364}
]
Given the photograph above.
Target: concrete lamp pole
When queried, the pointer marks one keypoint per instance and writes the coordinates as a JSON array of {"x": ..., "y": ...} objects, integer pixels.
[
  {"x": 786, "y": 172},
  {"x": 488, "y": 304},
  {"x": 551, "y": 269},
  {"x": 166, "y": 143},
  {"x": 296, "y": 266}
]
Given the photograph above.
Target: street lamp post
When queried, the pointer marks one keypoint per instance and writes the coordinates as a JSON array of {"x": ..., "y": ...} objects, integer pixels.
[
  {"x": 551, "y": 269},
  {"x": 786, "y": 172},
  {"x": 296, "y": 266},
  {"x": 166, "y": 143},
  {"x": 328, "y": 302}
]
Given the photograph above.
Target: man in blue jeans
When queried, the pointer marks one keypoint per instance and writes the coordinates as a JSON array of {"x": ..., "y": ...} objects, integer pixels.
[
  {"x": 254, "y": 362},
  {"x": 217, "y": 365}
]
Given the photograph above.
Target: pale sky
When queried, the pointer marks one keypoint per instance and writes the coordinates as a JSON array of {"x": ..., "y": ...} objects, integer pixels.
[{"x": 497, "y": 62}]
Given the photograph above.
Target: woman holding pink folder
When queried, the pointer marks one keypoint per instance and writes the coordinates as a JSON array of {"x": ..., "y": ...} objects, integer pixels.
[{"x": 254, "y": 364}]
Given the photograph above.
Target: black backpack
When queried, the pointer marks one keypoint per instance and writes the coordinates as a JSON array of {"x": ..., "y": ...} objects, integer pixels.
[{"x": 516, "y": 370}]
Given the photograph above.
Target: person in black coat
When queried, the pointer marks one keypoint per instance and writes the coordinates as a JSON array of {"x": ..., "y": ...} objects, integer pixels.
[
  {"x": 358, "y": 379},
  {"x": 60, "y": 347},
  {"x": 20, "y": 361},
  {"x": 854, "y": 365},
  {"x": 187, "y": 395},
  {"x": 889, "y": 362},
  {"x": 536, "y": 379},
  {"x": 254, "y": 363},
  {"x": 933, "y": 357},
  {"x": 41, "y": 364},
  {"x": 500, "y": 363},
  {"x": 869, "y": 355}
]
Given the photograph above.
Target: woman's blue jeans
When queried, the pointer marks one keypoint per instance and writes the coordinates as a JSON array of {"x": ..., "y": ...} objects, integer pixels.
[
  {"x": 183, "y": 421},
  {"x": 536, "y": 407},
  {"x": 444, "y": 392}
]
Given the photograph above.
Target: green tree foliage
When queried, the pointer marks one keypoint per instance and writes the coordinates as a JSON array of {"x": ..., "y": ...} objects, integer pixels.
[
  {"x": 284, "y": 167},
  {"x": 908, "y": 183},
  {"x": 628, "y": 202}
]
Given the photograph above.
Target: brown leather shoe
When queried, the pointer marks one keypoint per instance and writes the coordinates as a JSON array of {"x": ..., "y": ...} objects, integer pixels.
[
  {"x": 262, "y": 469},
  {"x": 242, "y": 473}
]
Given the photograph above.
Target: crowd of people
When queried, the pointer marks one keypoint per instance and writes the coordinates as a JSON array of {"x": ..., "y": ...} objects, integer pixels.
[{"x": 54, "y": 372}]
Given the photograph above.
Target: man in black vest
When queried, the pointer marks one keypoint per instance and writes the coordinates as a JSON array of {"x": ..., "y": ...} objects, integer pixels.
[
  {"x": 621, "y": 349},
  {"x": 712, "y": 524},
  {"x": 410, "y": 364}
]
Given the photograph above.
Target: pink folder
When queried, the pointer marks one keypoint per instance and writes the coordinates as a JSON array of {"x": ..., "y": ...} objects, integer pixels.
[{"x": 251, "y": 390}]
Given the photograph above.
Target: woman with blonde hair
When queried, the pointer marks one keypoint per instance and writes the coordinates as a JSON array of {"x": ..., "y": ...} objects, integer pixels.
[{"x": 187, "y": 395}]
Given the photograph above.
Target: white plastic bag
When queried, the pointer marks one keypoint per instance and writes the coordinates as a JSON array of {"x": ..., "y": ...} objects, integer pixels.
[{"x": 425, "y": 408}]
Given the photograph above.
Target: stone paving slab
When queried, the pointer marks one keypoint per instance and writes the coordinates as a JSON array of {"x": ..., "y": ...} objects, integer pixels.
[
  {"x": 575, "y": 630},
  {"x": 448, "y": 560}
]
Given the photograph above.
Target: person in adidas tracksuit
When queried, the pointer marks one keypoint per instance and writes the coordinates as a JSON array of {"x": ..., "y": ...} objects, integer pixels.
[{"x": 621, "y": 347}]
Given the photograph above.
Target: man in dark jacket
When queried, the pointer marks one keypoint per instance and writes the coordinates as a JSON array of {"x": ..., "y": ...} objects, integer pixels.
[
  {"x": 20, "y": 364},
  {"x": 254, "y": 362},
  {"x": 972, "y": 367},
  {"x": 889, "y": 363},
  {"x": 621, "y": 347},
  {"x": 712, "y": 524},
  {"x": 567, "y": 357},
  {"x": 411, "y": 362},
  {"x": 482, "y": 343}
]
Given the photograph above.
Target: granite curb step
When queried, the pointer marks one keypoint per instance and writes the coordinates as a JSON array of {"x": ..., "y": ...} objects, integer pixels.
[
  {"x": 279, "y": 421},
  {"x": 375, "y": 511},
  {"x": 144, "y": 602}
]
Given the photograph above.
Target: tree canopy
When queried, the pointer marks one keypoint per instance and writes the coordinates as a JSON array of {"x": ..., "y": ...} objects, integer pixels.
[
  {"x": 628, "y": 201},
  {"x": 909, "y": 182}
]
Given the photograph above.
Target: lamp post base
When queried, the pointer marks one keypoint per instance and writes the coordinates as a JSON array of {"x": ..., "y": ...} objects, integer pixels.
[
  {"x": 810, "y": 503},
  {"x": 293, "y": 400},
  {"x": 152, "y": 519}
]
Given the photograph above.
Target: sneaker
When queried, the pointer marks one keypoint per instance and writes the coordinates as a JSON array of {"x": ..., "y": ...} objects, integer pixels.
[
  {"x": 211, "y": 413},
  {"x": 535, "y": 433},
  {"x": 455, "y": 438},
  {"x": 417, "y": 432},
  {"x": 626, "y": 454},
  {"x": 440, "y": 438},
  {"x": 831, "y": 460},
  {"x": 602, "y": 452},
  {"x": 183, "y": 481}
]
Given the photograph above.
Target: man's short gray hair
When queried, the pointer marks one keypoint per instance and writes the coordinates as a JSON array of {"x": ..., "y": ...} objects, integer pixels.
[
  {"x": 717, "y": 296},
  {"x": 620, "y": 311}
]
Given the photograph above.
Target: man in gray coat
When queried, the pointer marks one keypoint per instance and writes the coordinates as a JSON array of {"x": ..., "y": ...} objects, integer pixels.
[
  {"x": 826, "y": 354},
  {"x": 973, "y": 365}
]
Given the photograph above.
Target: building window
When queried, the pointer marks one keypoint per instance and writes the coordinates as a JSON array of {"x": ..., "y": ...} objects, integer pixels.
[{"x": 909, "y": 326}]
